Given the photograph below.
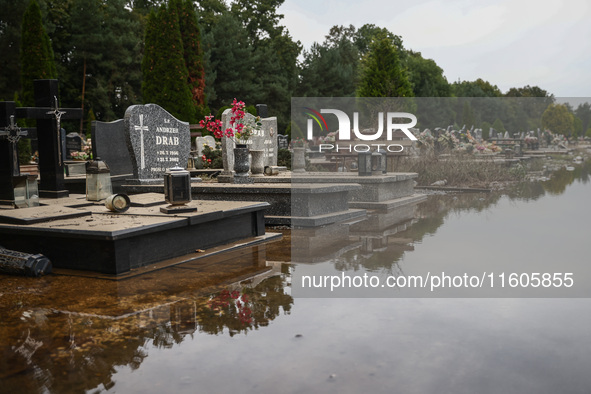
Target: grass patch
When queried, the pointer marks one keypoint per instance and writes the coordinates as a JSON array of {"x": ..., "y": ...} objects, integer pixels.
[{"x": 461, "y": 170}]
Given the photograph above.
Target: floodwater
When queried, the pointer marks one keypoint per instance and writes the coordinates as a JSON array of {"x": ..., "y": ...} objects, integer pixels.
[{"x": 236, "y": 324}]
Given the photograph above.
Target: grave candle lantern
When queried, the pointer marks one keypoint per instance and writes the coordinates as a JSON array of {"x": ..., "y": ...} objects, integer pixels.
[
  {"x": 98, "y": 180},
  {"x": 376, "y": 163},
  {"x": 364, "y": 163},
  {"x": 177, "y": 186},
  {"x": 26, "y": 191}
]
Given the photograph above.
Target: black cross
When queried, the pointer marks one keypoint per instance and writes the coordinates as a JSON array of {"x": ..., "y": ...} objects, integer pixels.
[
  {"x": 49, "y": 117},
  {"x": 11, "y": 134}
]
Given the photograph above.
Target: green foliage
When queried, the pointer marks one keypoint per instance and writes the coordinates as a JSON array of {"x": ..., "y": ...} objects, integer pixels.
[
  {"x": 24, "y": 151},
  {"x": 211, "y": 157},
  {"x": 231, "y": 59},
  {"x": 583, "y": 112},
  {"x": 329, "y": 71},
  {"x": 193, "y": 55},
  {"x": 426, "y": 77},
  {"x": 163, "y": 67},
  {"x": 368, "y": 32},
  {"x": 259, "y": 18},
  {"x": 498, "y": 126},
  {"x": 218, "y": 115},
  {"x": 284, "y": 158},
  {"x": 478, "y": 88},
  {"x": 558, "y": 119},
  {"x": 10, "y": 39},
  {"x": 37, "y": 60},
  {"x": 381, "y": 72},
  {"x": 467, "y": 115}
]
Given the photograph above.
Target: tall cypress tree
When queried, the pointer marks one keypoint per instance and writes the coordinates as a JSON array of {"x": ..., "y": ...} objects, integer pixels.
[
  {"x": 193, "y": 54},
  {"x": 163, "y": 67},
  {"x": 37, "y": 61}
]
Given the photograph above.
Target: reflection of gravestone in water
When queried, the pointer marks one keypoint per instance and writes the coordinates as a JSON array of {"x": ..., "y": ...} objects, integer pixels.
[
  {"x": 156, "y": 141},
  {"x": 108, "y": 143},
  {"x": 264, "y": 139}
]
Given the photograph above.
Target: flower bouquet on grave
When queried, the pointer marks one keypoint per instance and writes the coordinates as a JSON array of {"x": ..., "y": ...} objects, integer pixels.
[
  {"x": 298, "y": 143},
  {"x": 85, "y": 154},
  {"x": 240, "y": 129}
]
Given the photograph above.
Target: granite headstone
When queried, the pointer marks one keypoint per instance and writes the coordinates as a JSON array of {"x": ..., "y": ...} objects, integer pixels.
[
  {"x": 282, "y": 141},
  {"x": 73, "y": 144},
  {"x": 263, "y": 139},
  {"x": 199, "y": 142},
  {"x": 108, "y": 143},
  {"x": 156, "y": 141}
]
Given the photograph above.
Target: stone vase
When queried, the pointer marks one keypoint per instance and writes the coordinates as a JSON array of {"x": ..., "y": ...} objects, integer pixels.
[
  {"x": 241, "y": 161},
  {"x": 299, "y": 160},
  {"x": 257, "y": 166}
]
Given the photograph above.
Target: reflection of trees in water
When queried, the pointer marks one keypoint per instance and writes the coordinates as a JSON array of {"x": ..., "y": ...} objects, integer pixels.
[
  {"x": 76, "y": 352},
  {"x": 562, "y": 178},
  {"x": 431, "y": 214}
]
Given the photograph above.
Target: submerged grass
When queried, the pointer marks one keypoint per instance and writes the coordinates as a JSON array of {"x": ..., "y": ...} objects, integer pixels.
[{"x": 461, "y": 170}]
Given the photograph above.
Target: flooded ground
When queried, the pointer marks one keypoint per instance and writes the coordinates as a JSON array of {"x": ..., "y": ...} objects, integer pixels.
[{"x": 234, "y": 323}]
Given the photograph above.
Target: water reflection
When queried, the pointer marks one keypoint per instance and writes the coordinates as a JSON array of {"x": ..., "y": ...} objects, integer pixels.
[
  {"x": 185, "y": 329},
  {"x": 387, "y": 243},
  {"x": 77, "y": 345}
]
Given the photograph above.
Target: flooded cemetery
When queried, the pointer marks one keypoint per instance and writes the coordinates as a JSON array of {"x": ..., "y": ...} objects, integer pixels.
[{"x": 164, "y": 256}]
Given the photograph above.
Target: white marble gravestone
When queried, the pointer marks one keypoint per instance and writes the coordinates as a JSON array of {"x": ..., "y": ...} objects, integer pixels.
[{"x": 156, "y": 141}]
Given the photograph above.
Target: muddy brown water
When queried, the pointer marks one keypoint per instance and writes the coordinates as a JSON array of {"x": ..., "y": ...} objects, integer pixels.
[{"x": 232, "y": 324}]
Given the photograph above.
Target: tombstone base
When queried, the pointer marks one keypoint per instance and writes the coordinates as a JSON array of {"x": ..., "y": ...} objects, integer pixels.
[
  {"x": 155, "y": 181},
  {"x": 241, "y": 180},
  {"x": 173, "y": 209},
  {"x": 226, "y": 177},
  {"x": 54, "y": 193}
]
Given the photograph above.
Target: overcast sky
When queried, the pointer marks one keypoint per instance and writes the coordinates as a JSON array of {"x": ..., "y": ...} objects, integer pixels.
[{"x": 510, "y": 43}]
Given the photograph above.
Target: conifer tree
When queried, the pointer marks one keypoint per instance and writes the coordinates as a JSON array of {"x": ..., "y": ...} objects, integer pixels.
[
  {"x": 37, "y": 61},
  {"x": 193, "y": 55},
  {"x": 231, "y": 57},
  {"x": 381, "y": 72},
  {"x": 163, "y": 66}
]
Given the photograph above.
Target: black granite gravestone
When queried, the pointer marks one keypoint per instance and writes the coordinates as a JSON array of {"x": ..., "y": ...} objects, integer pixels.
[
  {"x": 73, "y": 144},
  {"x": 156, "y": 141},
  {"x": 262, "y": 110},
  {"x": 108, "y": 143},
  {"x": 282, "y": 141}
]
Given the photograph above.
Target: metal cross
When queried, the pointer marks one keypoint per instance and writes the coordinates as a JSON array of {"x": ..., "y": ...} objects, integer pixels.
[
  {"x": 12, "y": 132},
  {"x": 141, "y": 128},
  {"x": 58, "y": 115}
]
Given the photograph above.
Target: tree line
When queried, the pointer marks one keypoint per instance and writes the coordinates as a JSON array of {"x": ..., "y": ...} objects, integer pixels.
[{"x": 194, "y": 56}]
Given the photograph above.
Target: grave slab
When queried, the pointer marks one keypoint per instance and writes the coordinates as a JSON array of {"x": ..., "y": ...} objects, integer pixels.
[
  {"x": 34, "y": 215},
  {"x": 111, "y": 243}
]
